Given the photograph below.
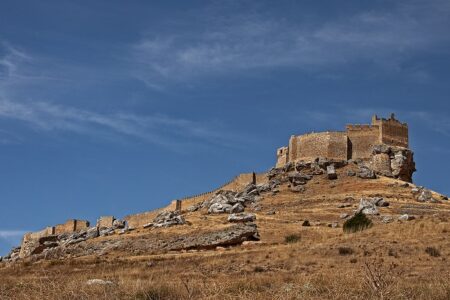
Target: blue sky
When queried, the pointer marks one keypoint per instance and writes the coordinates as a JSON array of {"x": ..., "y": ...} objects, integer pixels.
[{"x": 113, "y": 107}]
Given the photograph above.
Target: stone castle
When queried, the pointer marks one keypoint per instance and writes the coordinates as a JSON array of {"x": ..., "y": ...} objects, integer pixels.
[{"x": 356, "y": 142}]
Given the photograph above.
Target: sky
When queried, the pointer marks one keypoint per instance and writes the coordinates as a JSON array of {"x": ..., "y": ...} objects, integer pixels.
[{"x": 113, "y": 107}]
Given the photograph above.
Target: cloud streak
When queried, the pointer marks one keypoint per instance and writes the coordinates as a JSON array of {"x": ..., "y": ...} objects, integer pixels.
[
  {"x": 8, "y": 234},
  {"x": 46, "y": 116},
  {"x": 250, "y": 42},
  {"x": 158, "y": 129}
]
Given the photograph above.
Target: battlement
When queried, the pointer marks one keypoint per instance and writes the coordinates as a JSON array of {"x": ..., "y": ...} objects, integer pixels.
[
  {"x": 361, "y": 127},
  {"x": 355, "y": 142}
]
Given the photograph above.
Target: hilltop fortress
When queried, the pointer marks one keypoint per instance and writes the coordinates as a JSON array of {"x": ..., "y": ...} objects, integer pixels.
[
  {"x": 356, "y": 142},
  {"x": 380, "y": 148}
]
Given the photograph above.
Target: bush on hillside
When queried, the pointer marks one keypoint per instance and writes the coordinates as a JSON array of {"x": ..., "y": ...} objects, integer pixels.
[{"x": 356, "y": 223}]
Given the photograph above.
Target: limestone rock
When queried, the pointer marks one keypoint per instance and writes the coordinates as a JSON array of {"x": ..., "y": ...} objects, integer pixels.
[
  {"x": 424, "y": 196},
  {"x": 387, "y": 219},
  {"x": 297, "y": 189},
  {"x": 406, "y": 217},
  {"x": 230, "y": 236},
  {"x": 366, "y": 173},
  {"x": 367, "y": 207},
  {"x": 99, "y": 282},
  {"x": 219, "y": 208},
  {"x": 92, "y": 233},
  {"x": 237, "y": 208},
  {"x": 381, "y": 164},
  {"x": 241, "y": 217},
  {"x": 119, "y": 224},
  {"x": 331, "y": 172},
  {"x": 351, "y": 173},
  {"x": 168, "y": 218}
]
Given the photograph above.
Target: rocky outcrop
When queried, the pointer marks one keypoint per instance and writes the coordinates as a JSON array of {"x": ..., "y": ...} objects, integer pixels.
[
  {"x": 236, "y": 202},
  {"x": 230, "y": 236},
  {"x": 241, "y": 218},
  {"x": 393, "y": 161}
]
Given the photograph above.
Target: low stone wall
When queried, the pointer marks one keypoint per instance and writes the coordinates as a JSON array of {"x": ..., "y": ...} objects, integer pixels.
[{"x": 237, "y": 183}]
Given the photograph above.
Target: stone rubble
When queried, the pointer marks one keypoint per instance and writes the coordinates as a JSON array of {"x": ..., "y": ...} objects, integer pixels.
[{"x": 166, "y": 219}]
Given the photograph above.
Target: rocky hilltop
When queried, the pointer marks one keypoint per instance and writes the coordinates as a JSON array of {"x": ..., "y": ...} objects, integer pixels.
[{"x": 317, "y": 228}]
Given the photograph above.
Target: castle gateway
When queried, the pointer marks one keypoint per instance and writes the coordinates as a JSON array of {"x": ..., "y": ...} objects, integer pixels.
[{"x": 356, "y": 142}]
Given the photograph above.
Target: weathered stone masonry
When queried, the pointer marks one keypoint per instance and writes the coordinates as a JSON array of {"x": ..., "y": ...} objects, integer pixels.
[{"x": 356, "y": 142}]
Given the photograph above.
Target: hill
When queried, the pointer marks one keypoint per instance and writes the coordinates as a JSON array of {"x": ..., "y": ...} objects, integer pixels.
[{"x": 292, "y": 246}]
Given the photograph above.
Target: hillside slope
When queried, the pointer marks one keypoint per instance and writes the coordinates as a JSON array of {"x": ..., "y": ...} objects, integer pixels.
[{"x": 302, "y": 250}]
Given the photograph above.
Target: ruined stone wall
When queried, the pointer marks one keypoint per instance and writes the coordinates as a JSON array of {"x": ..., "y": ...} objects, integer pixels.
[
  {"x": 337, "y": 145},
  {"x": 312, "y": 145},
  {"x": 292, "y": 153},
  {"x": 237, "y": 183},
  {"x": 282, "y": 156},
  {"x": 140, "y": 219},
  {"x": 71, "y": 226},
  {"x": 36, "y": 235},
  {"x": 105, "y": 221},
  {"x": 394, "y": 133},
  {"x": 323, "y": 144},
  {"x": 362, "y": 138}
]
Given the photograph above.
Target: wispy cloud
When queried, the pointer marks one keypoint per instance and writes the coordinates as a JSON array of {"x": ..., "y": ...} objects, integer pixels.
[
  {"x": 158, "y": 129},
  {"x": 6, "y": 234},
  {"x": 47, "y": 116},
  {"x": 249, "y": 42}
]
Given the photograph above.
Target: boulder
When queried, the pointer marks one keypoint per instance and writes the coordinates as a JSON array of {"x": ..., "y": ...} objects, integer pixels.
[
  {"x": 92, "y": 233},
  {"x": 424, "y": 196},
  {"x": 331, "y": 172},
  {"x": 106, "y": 231},
  {"x": 230, "y": 236},
  {"x": 297, "y": 189},
  {"x": 387, "y": 219},
  {"x": 241, "y": 218},
  {"x": 367, "y": 207},
  {"x": 379, "y": 201},
  {"x": 366, "y": 173},
  {"x": 119, "y": 224},
  {"x": 351, "y": 173},
  {"x": 297, "y": 179},
  {"x": 219, "y": 208},
  {"x": 237, "y": 208},
  {"x": 406, "y": 217},
  {"x": 193, "y": 208},
  {"x": 402, "y": 164},
  {"x": 168, "y": 218}
]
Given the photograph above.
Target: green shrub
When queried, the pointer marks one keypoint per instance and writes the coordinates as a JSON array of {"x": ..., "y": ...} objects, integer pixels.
[
  {"x": 292, "y": 238},
  {"x": 433, "y": 251},
  {"x": 356, "y": 223}
]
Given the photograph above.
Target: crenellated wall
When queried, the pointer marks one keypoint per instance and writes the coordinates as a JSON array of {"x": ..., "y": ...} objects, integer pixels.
[{"x": 356, "y": 142}]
